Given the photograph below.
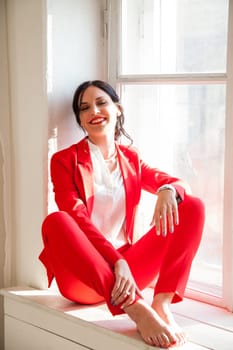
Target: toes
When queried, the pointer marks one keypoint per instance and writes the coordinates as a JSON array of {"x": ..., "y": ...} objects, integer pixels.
[
  {"x": 149, "y": 340},
  {"x": 181, "y": 338},
  {"x": 161, "y": 340},
  {"x": 164, "y": 341},
  {"x": 156, "y": 341}
]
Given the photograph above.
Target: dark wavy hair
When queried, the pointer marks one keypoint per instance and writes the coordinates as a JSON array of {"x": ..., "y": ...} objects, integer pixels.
[{"x": 108, "y": 89}]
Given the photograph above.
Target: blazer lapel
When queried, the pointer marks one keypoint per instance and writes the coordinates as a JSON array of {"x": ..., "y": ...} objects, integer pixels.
[
  {"x": 86, "y": 172},
  {"x": 130, "y": 179}
]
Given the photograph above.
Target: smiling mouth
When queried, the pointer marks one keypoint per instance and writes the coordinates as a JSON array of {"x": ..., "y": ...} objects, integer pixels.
[{"x": 97, "y": 120}]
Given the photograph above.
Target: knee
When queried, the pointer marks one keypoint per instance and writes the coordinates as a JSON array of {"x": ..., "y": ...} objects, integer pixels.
[
  {"x": 194, "y": 207},
  {"x": 53, "y": 222},
  {"x": 53, "y": 218},
  {"x": 192, "y": 219},
  {"x": 195, "y": 202}
]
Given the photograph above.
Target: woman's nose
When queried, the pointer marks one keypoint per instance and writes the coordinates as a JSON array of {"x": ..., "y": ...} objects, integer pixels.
[{"x": 94, "y": 109}]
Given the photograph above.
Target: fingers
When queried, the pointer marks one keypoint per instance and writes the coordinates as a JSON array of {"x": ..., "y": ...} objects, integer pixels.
[
  {"x": 120, "y": 290},
  {"x": 126, "y": 296},
  {"x": 172, "y": 217},
  {"x": 165, "y": 218},
  {"x": 125, "y": 287},
  {"x": 129, "y": 299}
]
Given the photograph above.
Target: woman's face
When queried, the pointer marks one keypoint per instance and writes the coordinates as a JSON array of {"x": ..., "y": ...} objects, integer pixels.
[{"x": 98, "y": 113}]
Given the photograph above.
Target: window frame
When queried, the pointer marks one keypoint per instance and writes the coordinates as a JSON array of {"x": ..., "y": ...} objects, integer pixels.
[
  {"x": 113, "y": 42},
  {"x": 228, "y": 173}
]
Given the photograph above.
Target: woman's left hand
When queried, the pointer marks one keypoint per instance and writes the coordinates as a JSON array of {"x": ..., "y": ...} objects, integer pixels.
[
  {"x": 166, "y": 212},
  {"x": 125, "y": 286}
]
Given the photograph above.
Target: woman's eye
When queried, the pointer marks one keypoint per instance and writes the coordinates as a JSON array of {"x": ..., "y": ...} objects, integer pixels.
[
  {"x": 103, "y": 102},
  {"x": 83, "y": 108}
]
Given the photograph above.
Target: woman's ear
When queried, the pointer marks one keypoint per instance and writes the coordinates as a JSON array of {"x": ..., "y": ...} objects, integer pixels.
[{"x": 119, "y": 112}]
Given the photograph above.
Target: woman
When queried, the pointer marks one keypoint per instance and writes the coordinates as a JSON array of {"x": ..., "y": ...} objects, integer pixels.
[{"x": 89, "y": 243}]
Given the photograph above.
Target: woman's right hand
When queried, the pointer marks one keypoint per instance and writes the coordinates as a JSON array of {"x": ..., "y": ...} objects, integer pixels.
[{"x": 166, "y": 212}]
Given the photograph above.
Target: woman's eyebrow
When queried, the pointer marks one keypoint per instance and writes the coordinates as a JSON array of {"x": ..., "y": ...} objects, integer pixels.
[
  {"x": 100, "y": 98},
  {"x": 97, "y": 98}
]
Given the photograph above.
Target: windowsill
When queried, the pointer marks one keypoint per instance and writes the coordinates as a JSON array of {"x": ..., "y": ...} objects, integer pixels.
[{"x": 207, "y": 327}]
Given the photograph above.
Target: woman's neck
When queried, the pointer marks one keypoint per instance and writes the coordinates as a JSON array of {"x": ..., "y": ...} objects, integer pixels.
[{"x": 105, "y": 144}]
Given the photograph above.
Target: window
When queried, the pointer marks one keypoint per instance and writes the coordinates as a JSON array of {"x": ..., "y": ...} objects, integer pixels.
[{"x": 170, "y": 67}]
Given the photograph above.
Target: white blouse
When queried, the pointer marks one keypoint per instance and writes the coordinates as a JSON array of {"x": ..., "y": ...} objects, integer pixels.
[{"x": 108, "y": 213}]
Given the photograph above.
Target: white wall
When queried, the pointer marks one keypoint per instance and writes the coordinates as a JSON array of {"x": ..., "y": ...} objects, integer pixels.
[
  {"x": 28, "y": 116},
  {"x": 76, "y": 54},
  {"x": 28, "y": 119}
]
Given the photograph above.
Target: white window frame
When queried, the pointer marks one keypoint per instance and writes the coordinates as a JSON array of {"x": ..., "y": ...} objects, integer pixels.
[{"x": 113, "y": 20}]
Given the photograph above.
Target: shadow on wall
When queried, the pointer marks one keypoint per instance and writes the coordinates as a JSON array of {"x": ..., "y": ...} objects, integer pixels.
[{"x": 62, "y": 119}]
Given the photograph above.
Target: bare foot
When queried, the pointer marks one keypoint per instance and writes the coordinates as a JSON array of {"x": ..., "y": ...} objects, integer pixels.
[
  {"x": 152, "y": 328},
  {"x": 162, "y": 307}
]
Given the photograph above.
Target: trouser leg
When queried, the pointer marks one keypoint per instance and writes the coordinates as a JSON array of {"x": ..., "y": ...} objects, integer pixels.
[
  {"x": 181, "y": 252},
  {"x": 169, "y": 257},
  {"x": 79, "y": 268},
  {"x": 77, "y": 265}
]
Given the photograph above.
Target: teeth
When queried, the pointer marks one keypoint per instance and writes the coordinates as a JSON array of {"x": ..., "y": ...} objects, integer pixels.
[{"x": 96, "y": 121}]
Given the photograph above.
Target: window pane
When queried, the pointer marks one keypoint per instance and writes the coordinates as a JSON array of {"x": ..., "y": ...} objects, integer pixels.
[
  {"x": 173, "y": 36},
  {"x": 180, "y": 129}
]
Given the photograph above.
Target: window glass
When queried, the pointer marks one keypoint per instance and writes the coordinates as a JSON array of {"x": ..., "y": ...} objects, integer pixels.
[
  {"x": 173, "y": 36},
  {"x": 180, "y": 129}
]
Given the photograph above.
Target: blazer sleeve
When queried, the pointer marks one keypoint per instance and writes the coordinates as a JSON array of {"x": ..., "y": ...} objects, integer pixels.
[
  {"x": 150, "y": 178},
  {"x": 68, "y": 198},
  {"x": 153, "y": 178}
]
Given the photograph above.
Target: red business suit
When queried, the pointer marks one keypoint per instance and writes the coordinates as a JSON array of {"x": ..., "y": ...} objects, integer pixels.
[{"x": 80, "y": 257}]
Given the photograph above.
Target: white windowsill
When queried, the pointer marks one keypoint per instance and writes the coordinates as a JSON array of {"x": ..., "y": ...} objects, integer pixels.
[{"x": 37, "y": 317}]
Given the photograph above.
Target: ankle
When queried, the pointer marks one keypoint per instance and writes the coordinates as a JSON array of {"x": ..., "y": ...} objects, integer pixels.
[
  {"x": 162, "y": 299},
  {"x": 140, "y": 310}
]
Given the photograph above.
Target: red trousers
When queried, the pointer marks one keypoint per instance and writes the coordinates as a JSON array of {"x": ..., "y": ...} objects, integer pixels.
[{"x": 84, "y": 276}]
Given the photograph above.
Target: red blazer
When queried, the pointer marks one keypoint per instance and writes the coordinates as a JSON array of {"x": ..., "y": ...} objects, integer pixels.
[{"x": 72, "y": 178}]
